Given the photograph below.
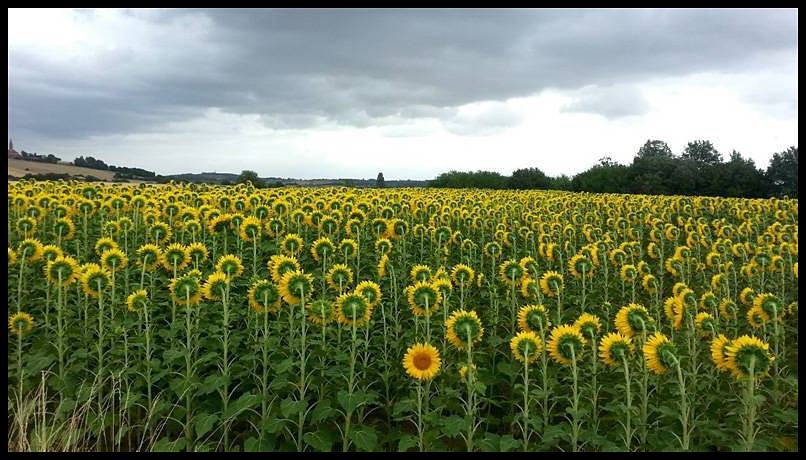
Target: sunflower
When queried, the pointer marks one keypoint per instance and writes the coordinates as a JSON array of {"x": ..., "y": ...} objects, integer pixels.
[
  {"x": 462, "y": 328},
  {"x": 420, "y": 273},
  {"x": 551, "y": 283},
  {"x": 94, "y": 279},
  {"x": 320, "y": 311},
  {"x": 371, "y": 291},
  {"x": 748, "y": 355},
  {"x": 137, "y": 300},
  {"x": 250, "y": 229},
  {"x": 105, "y": 244},
  {"x": 510, "y": 272},
  {"x": 462, "y": 274},
  {"x": 632, "y": 319},
  {"x": 708, "y": 301},
  {"x": 230, "y": 265},
  {"x": 756, "y": 318},
  {"x": 747, "y": 295},
  {"x": 614, "y": 347},
  {"x": 30, "y": 249},
  {"x": 718, "y": 282},
  {"x": 529, "y": 265},
  {"x": 292, "y": 244},
  {"x": 659, "y": 353},
  {"x": 65, "y": 228},
  {"x": 650, "y": 284},
  {"x": 215, "y": 286},
  {"x": 197, "y": 253},
  {"x": 529, "y": 288},
  {"x": 423, "y": 298},
  {"x": 12, "y": 257},
  {"x": 114, "y": 260},
  {"x": 728, "y": 308},
  {"x": 463, "y": 371},
  {"x": 526, "y": 346},
  {"x": 492, "y": 250},
  {"x": 566, "y": 342},
  {"x": 480, "y": 280},
  {"x": 349, "y": 248},
  {"x": 768, "y": 305},
  {"x": 322, "y": 248},
  {"x": 62, "y": 271},
  {"x": 20, "y": 323},
  {"x": 279, "y": 265},
  {"x": 653, "y": 251},
  {"x": 353, "y": 308},
  {"x": 264, "y": 295},
  {"x": 149, "y": 256},
  {"x": 295, "y": 285},
  {"x": 422, "y": 362},
  {"x": 339, "y": 277},
  {"x": 382, "y": 263},
  {"x": 589, "y": 325},
  {"x": 26, "y": 225},
  {"x": 531, "y": 318},
  {"x": 678, "y": 287},
  {"x": 50, "y": 252},
  {"x": 718, "y": 355},
  {"x": 628, "y": 273},
  {"x": 579, "y": 264},
  {"x": 704, "y": 323},
  {"x": 673, "y": 266}
]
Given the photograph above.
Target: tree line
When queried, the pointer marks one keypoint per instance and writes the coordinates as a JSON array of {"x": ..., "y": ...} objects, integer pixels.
[
  {"x": 655, "y": 170},
  {"x": 121, "y": 171}
]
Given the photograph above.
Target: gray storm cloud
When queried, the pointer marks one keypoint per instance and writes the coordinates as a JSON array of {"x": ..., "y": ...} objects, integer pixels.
[{"x": 301, "y": 68}]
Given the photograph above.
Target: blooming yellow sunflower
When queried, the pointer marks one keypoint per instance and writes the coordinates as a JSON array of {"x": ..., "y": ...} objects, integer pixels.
[
  {"x": 659, "y": 353},
  {"x": 632, "y": 319},
  {"x": 137, "y": 300},
  {"x": 279, "y": 265},
  {"x": 229, "y": 265},
  {"x": 371, "y": 291},
  {"x": 295, "y": 285},
  {"x": 420, "y": 273},
  {"x": 551, "y": 283},
  {"x": 614, "y": 348},
  {"x": 589, "y": 325},
  {"x": 462, "y": 328},
  {"x": 566, "y": 342},
  {"x": 422, "y": 361},
  {"x": 339, "y": 277},
  {"x": 94, "y": 279},
  {"x": 20, "y": 323},
  {"x": 63, "y": 271},
  {"x": 526, "y": 346},
  {"x": 423, "y": 298},
  {"x": 718, "y": 355},
  {"x": 533, "y": 318},
  {"x": 462, "y": 275},
  {"x": 748, "y": 355},
  {"x": 263, "y": 295}
]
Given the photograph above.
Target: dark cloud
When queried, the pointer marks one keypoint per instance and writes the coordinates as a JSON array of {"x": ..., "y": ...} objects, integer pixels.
[{"x": 299, "y": 68}]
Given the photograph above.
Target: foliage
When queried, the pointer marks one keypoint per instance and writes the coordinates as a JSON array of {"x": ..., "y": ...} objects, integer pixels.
[{"x": 227, "y": 318}]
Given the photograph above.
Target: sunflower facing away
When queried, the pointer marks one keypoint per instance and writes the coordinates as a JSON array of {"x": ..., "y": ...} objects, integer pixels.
[
  {"x": 526, "y": 347},
  {"x": 462, "y": 328},
  {"x": 566, "y": 342},
  {"x": 614, "y": 347}
]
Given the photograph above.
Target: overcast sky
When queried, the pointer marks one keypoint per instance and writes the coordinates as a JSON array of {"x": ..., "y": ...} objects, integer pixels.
[{"x": 412, "y": 93}]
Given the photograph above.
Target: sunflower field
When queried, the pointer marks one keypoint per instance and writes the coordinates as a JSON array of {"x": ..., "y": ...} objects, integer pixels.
[{"x": 228, "y": 318}]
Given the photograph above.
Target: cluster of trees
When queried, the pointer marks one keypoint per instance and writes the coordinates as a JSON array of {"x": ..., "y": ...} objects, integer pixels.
[
  {"x": 248, "y": 176},
  {"x": 37, "y": 157},
  {"x": 121, "y": 171},
  {"x": 655, "y": 170}
]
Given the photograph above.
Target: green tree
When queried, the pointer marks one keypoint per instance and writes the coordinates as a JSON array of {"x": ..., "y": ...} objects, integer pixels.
[
  {"x": 529, "y": 178},
  {"x": 605, "y": 177},
  {"x": 249, "y": 176},
  {"x": 380, "y": 182},
  {"x": 702, "y": 152},
  {"x": 783, "y": 172},
  {"x": 655, "y": 148}
]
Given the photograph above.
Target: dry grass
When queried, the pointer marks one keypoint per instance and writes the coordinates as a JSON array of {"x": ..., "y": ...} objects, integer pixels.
[{"x": 19, "y": 168}]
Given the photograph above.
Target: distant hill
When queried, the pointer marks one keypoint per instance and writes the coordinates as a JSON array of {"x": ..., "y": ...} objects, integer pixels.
[{"x": 218, "y": 178}]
